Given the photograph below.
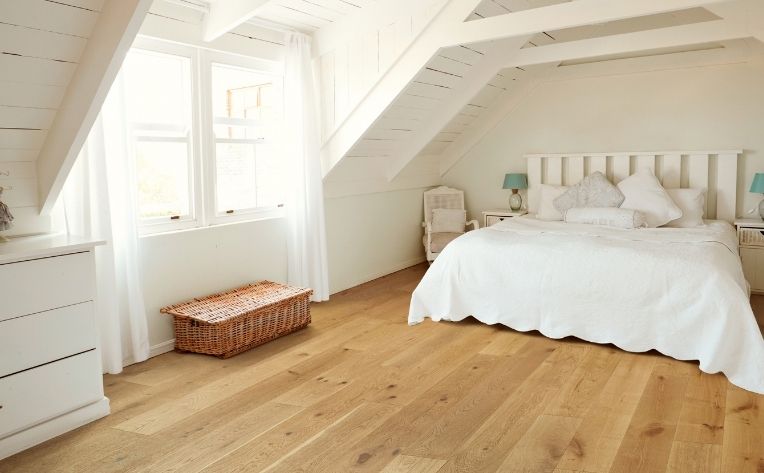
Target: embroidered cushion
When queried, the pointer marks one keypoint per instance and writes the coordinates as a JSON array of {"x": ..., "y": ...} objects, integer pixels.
[{"x": 593, "y": 191}]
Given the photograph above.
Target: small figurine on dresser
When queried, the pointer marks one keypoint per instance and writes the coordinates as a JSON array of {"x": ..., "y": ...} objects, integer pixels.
[{"x": 6, "y": 219}]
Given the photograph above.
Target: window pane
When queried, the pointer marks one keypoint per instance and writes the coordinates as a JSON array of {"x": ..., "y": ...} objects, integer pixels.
[
  {"x": 242, "y": 93},
  {"x": 236, "y": 178},
  {"x": 163, "y": 178},
  {"x": 270, "y": 184},
  {"x": 248, "y": 176},
  {"x": 159, "y": 87},
  {"x": 240, "y": 132}
]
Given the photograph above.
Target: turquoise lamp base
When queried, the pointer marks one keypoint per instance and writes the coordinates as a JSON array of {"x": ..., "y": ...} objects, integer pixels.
[{"x": 515, "y": 201}]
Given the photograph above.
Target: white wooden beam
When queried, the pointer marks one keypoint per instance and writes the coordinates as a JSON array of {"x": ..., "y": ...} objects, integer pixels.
[
  {"x": 118, "y": 23},
  {"x": 159, "y": 27},
  {"x": 487, "y": 122},
  {"x": 564, "y": 15},
  {"x": 471, "y": 83},
  {"x": 393, "y": 82},
  {"x": 675, "y": 36},
  {"x": 225, "y": 15}
]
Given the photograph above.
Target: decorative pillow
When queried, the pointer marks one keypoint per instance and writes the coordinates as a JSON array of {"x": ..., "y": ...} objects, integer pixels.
[
  {"x": 643, "y": 192},
  {"x": 609, "y": 216},
  {"x": 547, "y": 194},
  {"x": 692, "y": 202},
  {"x": 593, "y": 191},
  {"x": 448, "y": 220}
]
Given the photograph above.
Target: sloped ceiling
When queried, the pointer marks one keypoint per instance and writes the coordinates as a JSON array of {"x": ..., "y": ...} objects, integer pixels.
[
  {"x": 41, "y": 43},
  {"x": 401, "y": 139}
]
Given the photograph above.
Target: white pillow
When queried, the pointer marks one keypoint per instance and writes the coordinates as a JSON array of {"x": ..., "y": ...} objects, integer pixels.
[
  {"x": 643, "y": 192},
  {"x": 609, "y": 216},
  {"x": 448, "y": 220},
  {"x": 547, "y": 210},
  {"x": 693, "y": 205}
]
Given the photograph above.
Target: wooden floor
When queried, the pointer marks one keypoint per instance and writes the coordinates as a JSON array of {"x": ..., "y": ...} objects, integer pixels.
[{"x": 361, "y": 391}]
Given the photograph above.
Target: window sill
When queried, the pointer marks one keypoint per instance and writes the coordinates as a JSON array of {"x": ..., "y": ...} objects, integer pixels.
[{"x": 280, "y": 214}]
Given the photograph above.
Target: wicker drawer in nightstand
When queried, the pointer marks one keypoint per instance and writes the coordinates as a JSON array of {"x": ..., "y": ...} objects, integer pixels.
[{"x": 491, "y": 217}]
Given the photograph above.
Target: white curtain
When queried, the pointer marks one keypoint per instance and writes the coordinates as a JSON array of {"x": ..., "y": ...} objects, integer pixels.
[
  {"x": 306, "y": 245},
  {"x": 98, "y": 202}
]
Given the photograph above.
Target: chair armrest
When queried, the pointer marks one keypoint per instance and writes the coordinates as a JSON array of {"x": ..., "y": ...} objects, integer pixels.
[{"x": 474, "y": 223}]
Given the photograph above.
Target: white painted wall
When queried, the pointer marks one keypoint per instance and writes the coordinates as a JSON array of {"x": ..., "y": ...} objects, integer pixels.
[
  {"x": 372, "y": 235},
  {"x": 714, "y": 107},
  {"x": 368, "y": 235},
  {"x": 183, "y": 265}
]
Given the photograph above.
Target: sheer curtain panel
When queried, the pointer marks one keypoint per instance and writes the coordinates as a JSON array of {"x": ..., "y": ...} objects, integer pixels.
[
  {"x": 98, "y": 201},
  {"x": 306, "y": 245}
]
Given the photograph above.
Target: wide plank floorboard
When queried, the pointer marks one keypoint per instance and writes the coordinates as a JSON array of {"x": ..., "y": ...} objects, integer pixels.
[{"x": 359, "y": 390}]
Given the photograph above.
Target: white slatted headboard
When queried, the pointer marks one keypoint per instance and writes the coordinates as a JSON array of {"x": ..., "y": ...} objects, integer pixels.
[{"x": 715, "y": 171}]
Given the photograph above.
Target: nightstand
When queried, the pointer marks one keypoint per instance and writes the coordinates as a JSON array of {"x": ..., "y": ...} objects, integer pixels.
[
  {"x": 750, "y": 237},
  {"x": 494, "y": 216}
]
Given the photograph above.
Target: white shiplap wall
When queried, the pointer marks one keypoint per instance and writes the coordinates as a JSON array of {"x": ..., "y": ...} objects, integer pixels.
[
  {"x": 352, "y": 67},
  {"x": 348, "y": 72},
  {"x": 311, "y": 15},
  {"x": 41, "y": 43}
]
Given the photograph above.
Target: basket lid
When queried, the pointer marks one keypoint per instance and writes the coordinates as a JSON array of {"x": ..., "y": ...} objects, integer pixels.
[{"x": 218, "y": 308}]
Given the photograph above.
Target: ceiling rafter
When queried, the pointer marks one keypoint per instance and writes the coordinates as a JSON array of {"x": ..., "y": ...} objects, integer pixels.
[
  {"x": 564, "y": 15},
  {"x": 117, "y": 26},
  {"x": 662, "y": 38},
  {"x": 225, "y": 15}
]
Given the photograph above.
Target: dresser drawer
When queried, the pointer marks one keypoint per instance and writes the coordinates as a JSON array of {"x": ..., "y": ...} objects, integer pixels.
[
  {"x": 29, "y": 341},
  {"x": 33, "y": 286},
  {"x": 39, "y": 394}
]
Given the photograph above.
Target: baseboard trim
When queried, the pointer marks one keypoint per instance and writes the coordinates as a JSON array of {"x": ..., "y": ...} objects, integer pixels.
[
  {"x": 378, "y": 274},
  {"x": 154, "y": 350},
  {"x": 160, "y": 348},
  {"x": 53, "y": 428}
]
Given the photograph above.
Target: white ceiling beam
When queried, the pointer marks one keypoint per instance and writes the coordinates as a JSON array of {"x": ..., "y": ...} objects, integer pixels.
[
  {"x": 747, "y": 13},
  {"x": 118, "y": 23},
  {"x": 564, "y": 15},
  {"x": 471, "y": 83},
  {"x": 662, "y": 38},
  {"x": 488, "y": 121},
  {"x": 225, "y": 15},
  {"x": 393, "y": 82}
]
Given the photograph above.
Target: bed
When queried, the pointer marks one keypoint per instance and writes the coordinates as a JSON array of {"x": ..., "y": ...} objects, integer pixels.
[{"x": 680, "y": 291}]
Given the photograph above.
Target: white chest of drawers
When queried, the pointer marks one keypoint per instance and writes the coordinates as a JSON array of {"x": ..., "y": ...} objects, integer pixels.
[{"x": 50, "y": 364}]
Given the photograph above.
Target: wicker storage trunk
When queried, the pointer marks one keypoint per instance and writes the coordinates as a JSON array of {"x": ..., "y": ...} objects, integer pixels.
[{"x": 233, "y": 322}]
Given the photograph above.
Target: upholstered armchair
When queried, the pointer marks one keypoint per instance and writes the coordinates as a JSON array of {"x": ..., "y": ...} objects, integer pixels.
[{"x": 444, "y": 219}]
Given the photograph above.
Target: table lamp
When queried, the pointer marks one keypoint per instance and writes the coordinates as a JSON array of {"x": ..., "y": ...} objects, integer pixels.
[
  {"x": 758, "y": 187},
  {"x": 520, "y": 181}
]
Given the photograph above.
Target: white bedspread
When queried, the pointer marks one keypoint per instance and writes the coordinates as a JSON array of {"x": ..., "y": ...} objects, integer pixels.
[{"x": 679, "y": 291}]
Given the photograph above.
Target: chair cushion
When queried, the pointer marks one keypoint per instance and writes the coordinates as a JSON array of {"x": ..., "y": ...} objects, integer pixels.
[
  {"x": 440, "y": 240},
  {"x": 448, "y": 220}
]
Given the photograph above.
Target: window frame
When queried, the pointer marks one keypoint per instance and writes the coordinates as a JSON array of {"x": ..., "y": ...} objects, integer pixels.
[
  {"x": 201, "y": 139},
  {"x": 195, "y": 218},
  {"x": 266, "y": 68}
]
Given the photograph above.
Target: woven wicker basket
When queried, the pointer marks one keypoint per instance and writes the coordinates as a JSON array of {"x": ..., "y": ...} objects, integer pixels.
[{"x": 232, "y": 322}]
